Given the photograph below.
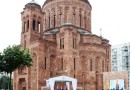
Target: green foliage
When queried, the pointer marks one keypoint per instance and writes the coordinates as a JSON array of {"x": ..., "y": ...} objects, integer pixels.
[
  {"x": 4, "y": 82},
  {"x": 13, "y": 58},
  {"x": 1, "y": 62}
]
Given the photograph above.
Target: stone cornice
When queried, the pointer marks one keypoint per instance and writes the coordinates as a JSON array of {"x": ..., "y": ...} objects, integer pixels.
[{"x": 65, "y": 2}]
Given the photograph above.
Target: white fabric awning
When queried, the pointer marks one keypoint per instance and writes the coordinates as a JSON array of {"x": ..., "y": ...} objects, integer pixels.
[{"x": 51, "y": 81}]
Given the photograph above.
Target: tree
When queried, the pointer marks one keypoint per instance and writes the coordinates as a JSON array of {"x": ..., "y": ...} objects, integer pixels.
[
  {"x": 13, "y": 58},
  {"x": 4, "y": 82}
]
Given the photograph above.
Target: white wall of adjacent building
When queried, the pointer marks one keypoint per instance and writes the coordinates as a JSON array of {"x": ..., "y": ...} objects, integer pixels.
[{"x": 120, "y": 58}]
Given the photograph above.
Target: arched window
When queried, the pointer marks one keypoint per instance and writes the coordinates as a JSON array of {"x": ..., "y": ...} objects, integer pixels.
[
  {"x": 102, "y": 66},
  {"x": 24, "y": 27},
  {"x": 74, "y": 64},
  {"x": 62, "y": 43},
  {"x": 54, "y": 20},
  {"x": 91, "y": 64},
  {"x": 80, "y": 20},
  {"x": 27, "y": 25},
  {"x": 34, "y": 24},
  {"x": 60, "y": 19},
  {"x": 62, "y": 64},
  {"x": 85, "y": 22},
  {"x": 74, "y": 17},
  {"x": 45, "y": 62},
  {"x": 49, "y": 21},
  {"x": 74, "y": 43}
]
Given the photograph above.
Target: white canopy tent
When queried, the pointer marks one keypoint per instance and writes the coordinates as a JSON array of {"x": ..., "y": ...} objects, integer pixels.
[{"x": 51, "y": 81}]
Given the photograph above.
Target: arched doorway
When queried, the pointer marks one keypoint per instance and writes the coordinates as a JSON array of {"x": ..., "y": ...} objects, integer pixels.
[{"x": 22, "y": 84}]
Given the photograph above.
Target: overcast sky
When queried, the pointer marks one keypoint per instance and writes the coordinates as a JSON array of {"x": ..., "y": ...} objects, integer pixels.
[{"x": 113, "y": 16}]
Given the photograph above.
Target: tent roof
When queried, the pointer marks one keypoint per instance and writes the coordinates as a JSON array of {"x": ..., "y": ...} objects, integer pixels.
[{"x": 62, "y": 78}]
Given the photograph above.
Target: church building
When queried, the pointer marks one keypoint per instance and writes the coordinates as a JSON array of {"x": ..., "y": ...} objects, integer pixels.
[{"x": 59, "y": 38}]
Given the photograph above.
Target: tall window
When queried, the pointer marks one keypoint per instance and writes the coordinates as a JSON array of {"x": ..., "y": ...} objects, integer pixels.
[
  {"x": 60, "y": 19},
  {"x": 74, "y": 64},
  {"x": 24, "y": 27},
  {"x": 27, "y": 25},
  {"x": 34, "y": 24},
  {"x": 102, "y": 66},
  {"x": 80, "y": 20},
  {"x": 74, "y": 19},
  {"x": 62, "y": 43},
  {"x": 85, "y": 22},
  {"x": 74, "y": 43},
  {"x": 54, "y": 20},
  {"x": 62, "y": 63},
  {"x": 45, "y": 24},
  {"x": 45, "y": 63},
  {"x": 90, "y": 64},
  {"x": 49, "y": 21}
]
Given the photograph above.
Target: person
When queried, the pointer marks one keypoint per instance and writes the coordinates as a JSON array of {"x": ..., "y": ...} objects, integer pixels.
[
  {"x": 57, "y": 88},
  {"x": 117, "y": 85},
  {"x": 65, "y": 88}
]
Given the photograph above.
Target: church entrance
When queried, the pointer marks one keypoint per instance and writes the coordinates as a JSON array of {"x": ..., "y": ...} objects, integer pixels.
[
  {"x": 22, "y": 84},
  {"x": 60, "y": 86},
  {"x": 24, "y": 88}
]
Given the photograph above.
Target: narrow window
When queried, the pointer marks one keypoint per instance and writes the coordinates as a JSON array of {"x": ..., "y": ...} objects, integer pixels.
[
  {"x": 34, "y": 24},
  {"x": 80, "y": 20},
  {"x": 24, "y": 27},
  {"x": 39, "y": 26},
  {"x": 60, "y": 43},
  {"x": 27, "y": 25},
  {"x": 54, "y": 20},
  {"x": 49, "y": 21},
  {"x": 74, "y": 64},
  {"x": 102, "y": 66},
  {"x": 45, "y": 63},
  {"x": 90, "y": 64},
  {"x": 74, "y": 43},
  {"x": 60, "y": 19},
  {"x": 45, "y": 24},
  {"x": 85, "y": 22},
  {"x": 74, "y": 19},
  {"x": 62, "y": 63}
]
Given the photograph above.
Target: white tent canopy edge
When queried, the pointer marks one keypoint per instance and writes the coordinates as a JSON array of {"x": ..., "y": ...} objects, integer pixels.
[{"x": 51, "y": 81}]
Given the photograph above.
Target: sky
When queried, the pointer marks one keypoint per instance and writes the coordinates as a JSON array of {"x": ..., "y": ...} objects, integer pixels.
[{"x": 111, "y": 16}]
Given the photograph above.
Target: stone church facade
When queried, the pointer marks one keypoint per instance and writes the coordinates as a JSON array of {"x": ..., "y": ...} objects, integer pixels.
[{"x": 61, "y": 42}]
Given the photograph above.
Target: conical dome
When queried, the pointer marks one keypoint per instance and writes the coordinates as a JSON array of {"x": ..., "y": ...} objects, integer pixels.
[{"x": 33, "y": 2}]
